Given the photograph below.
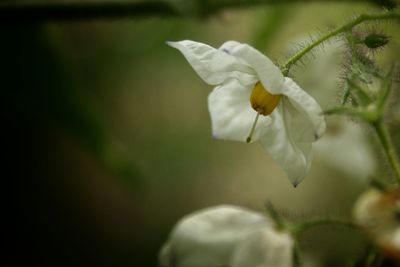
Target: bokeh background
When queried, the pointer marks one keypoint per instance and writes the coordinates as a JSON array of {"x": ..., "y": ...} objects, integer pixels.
[{"x": 108, "y": 140}]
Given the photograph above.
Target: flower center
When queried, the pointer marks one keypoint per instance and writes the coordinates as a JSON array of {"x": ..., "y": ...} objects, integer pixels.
[{"x": 262, "y": 101}]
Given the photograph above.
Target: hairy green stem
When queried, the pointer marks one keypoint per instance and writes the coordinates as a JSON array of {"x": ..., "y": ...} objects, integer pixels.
[
  {"x": 44, "y": 12},
  {"x": 344, "y": 28},
  {"x": 388, "y": 147},
  {"x": 280, "y": 222}
]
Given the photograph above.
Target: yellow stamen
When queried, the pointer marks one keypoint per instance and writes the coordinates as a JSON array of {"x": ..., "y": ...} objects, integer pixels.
[{"x": 263, "y": 101}]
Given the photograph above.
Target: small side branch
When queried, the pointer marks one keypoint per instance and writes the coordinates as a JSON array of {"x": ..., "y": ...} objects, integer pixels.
[{"x": 388, "y": 147}]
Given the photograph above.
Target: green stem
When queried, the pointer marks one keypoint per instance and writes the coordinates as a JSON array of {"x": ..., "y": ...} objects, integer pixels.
[
  {"x": 346, "y": 27},
  {"x": 296, "y": 255},
  {"x": 280, "y": 222},
  {"x": 388, "y": 147},
  {"x": 301, "y": 227},
  {"x": 366, "y": 115},
  {"x": 346, "y": 94}
]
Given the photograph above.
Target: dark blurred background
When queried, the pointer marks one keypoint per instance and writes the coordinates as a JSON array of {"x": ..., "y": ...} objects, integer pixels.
[{"x": 107, "y": 135}]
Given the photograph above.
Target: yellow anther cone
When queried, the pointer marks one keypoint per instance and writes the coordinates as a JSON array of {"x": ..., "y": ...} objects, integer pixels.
[{"x": 262, "y": 101}]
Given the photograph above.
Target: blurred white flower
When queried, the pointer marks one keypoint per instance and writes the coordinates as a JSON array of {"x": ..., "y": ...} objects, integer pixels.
[
  {"x": 226, "y": 236},
  {"x": 248, "y": 85},
  {"x": 345, "y": 147},
  {"x": 378, "y": 212}
]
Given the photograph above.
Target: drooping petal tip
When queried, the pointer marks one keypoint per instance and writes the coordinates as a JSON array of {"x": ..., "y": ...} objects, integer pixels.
[
  {"x": 287, "y": 144},
  {"x": 170, "y": 43}
]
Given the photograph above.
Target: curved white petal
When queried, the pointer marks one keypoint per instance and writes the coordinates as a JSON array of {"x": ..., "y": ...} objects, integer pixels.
[
  {"x": 212, "y": 65},
  {"x": 265, "y": 247},
  {"x": 208, "y": 237},
  {"x": 308, "y": 108},
  {"x": 280, "y": 140},
  {"x": 231, "y": 113},
  {"x": 267, "y": 72}
]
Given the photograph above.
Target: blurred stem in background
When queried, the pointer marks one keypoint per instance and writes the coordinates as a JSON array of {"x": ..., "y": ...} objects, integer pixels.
[
  {"x": 306, "y": 225},
  {"x": 388, "y": 147},
  {"x": 268, "y": 24},
  {"x": 19, "y": 13}
]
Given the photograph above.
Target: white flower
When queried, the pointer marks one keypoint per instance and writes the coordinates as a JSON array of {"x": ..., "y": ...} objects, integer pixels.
[
  {"x": 248, "y": 85},
  {"x": 226, "y": 236}
]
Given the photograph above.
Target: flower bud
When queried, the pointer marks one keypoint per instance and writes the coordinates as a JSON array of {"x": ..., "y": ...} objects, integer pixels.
[{"x": 375, "y": 40}]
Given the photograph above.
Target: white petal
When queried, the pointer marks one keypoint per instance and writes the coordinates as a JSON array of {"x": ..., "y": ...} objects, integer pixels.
[
  {"x": 265, "y": 247},
  {"x": 279, "y": 140},
  {"x": 267, "y": 72},
  {"x": 296, "y": 126},
  {"x": 212, "y": 65},
  {"x": 309, "y": 108},
  {"x": 208, "y": 237},
  {"x": 231, "y": 113}
]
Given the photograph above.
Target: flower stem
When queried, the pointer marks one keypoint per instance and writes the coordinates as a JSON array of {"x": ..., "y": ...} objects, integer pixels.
[
  {"x": 388, "y": 147},
  {"x": 346, "y": 27},
  {"x": 296, "y": 255},
  {"x": 303, "y": 226}
]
